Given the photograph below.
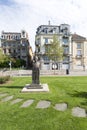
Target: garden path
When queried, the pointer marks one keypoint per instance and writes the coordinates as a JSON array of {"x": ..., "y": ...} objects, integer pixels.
[{"x": 42, "y": 104}]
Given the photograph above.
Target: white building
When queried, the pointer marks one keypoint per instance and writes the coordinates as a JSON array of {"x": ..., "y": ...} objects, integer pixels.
[{"x": 44, "y": 35}]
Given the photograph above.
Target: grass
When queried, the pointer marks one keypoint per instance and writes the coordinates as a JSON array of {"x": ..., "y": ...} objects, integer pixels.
[{"x": 71, "y": 90}]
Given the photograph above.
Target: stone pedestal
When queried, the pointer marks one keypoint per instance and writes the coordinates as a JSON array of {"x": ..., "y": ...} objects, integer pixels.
[{"x": 35, "y": 88}]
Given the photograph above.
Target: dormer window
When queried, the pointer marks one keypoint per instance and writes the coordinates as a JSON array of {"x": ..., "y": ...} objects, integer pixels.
[
  {"x": 9, "y": 37},
  {"x": 2, "y": 36},
  {"x": 16, "y": 37},
  {"x": 23, "y": 33},
  {"x": 51, "y": 31}
]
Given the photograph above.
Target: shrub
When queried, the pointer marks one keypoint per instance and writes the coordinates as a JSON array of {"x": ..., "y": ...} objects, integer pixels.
[{"x": 4, "y": 79}]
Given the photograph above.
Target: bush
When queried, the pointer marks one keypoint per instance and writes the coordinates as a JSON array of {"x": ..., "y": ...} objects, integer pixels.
[
  {"x": 4, "y": 79},
  {"x": 4, "y": 64}
]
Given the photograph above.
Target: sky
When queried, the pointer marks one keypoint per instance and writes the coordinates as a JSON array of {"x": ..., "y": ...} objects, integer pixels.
[{"x": 16, "y": 15}]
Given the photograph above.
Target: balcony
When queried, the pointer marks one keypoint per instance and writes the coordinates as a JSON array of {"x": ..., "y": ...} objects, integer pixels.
[
  {"x": 65, "y": 44},
  {"x": 78, "y": 56},
  {"x": 66, "y": 34},
  {"x": 65, "y": 53}
]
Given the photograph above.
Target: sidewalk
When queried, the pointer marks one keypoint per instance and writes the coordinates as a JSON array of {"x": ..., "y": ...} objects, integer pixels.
[
  {"x": 78, "y": 73},
  {"x": 44, "y": 73}
]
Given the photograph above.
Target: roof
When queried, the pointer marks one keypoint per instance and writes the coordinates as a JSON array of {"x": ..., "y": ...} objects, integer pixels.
[
  {"x": 78, "y": 38},
  {"x": 10, "y": 33},
  {"x": 48, "y": 26}
]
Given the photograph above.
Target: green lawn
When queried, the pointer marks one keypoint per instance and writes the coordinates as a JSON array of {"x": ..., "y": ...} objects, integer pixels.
[{"x": 71, "y": 90}]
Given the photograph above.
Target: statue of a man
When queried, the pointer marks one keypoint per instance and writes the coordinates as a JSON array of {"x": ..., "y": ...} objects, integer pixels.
[{"x": 35, "y": 71}]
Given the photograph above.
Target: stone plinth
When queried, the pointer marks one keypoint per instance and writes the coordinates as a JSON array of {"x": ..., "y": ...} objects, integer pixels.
[{"x": 35, "y": 88}]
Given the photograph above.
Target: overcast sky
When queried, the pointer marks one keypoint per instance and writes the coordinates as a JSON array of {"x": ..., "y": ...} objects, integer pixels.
[{"x": 16, "y": 15}]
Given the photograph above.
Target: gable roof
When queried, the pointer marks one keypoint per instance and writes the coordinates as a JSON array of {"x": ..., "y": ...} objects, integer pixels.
[{"x": 78, "y": 38}]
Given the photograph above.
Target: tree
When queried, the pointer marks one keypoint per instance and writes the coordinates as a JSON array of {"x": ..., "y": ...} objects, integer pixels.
[
  {"x": 4, "y": 60},
  {"x": 54, "y": 50},
  {"x": 2, "y": 56}
]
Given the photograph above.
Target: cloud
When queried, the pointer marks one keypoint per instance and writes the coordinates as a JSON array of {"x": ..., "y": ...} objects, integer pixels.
[{"x": 29, "y": 14}]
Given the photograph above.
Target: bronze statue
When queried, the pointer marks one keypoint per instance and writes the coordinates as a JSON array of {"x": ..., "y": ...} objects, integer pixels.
[
  {"x": 35, "y": 71},
  {"x": 35, "y": 68}
]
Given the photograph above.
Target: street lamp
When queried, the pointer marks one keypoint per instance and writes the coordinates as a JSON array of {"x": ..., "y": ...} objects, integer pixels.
[{"x": 10, "y": 63}]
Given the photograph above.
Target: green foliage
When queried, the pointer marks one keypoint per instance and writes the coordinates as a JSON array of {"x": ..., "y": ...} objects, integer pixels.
[
  {"x": 54, "y": 50},
  {"x": 18, "y": 63},
  {"x": 4, "y": 60},
  {"x": 4, "y": 79}
]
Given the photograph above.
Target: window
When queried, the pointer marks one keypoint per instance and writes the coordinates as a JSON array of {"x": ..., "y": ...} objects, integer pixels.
[
  {"x": 51, "y": 31},
  {"x": 9, "y": 50},
  {"x": 38, "y": 41},
  {"x": 16, "y": 37},
  {"x": 45, "y": 29},
  {"x": 4, "y": 44},
  {"x": 23, "y": 49},
  {"x": 79, "y": 52},
  {"x": 66, "y": 50},
  {"x": 46, "y": 60},
  {"x": 65, "y": 40},
  {"x": 14, "y": 51},
  {"x": 9, "y": 37},
  {"x": 46, "y": 40},
  {"x": 4, "y": 51},
  {"x": 78, "y": 45}
]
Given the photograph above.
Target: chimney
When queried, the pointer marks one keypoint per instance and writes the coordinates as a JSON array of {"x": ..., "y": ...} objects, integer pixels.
[{"x": 49, "y": 22}]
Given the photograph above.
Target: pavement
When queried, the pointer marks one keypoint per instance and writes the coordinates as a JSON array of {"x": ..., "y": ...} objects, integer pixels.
[{"x": 44, "y": 73}]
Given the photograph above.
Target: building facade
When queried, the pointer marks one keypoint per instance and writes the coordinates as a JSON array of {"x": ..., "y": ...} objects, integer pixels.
[
  {"x": 44, "y": 35},
  {"x": 79, "y": 52},
  {"x": 16, "y": 45}
]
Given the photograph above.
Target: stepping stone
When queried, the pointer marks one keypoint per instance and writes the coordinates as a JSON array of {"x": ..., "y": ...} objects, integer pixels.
[
  {"x": 79, "y": 112},
  {"x": 3, "y": 94},
  {"x": 7, "y": 99},
  {"x": 43, "y": 104},
  {"x": 16, "y": 101},
  {"x": 27, "y": 103},
  {"x": 61, "y": 106}
]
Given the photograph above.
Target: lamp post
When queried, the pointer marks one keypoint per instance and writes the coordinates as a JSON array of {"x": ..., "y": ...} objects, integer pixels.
[{"x": 10, "y": 65}]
